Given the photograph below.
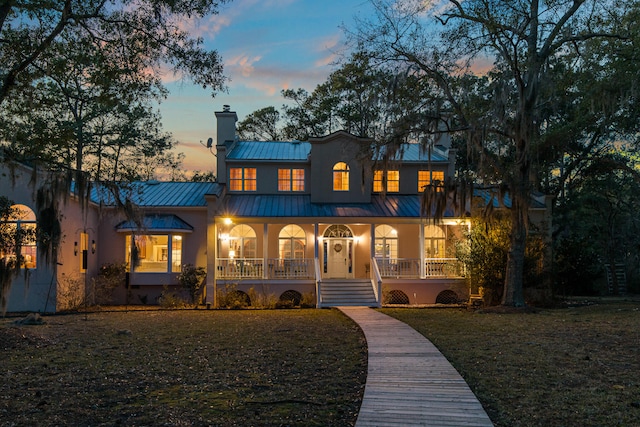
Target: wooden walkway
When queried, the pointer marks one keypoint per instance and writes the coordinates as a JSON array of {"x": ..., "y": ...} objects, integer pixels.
[{"x": 409, "y": 382}]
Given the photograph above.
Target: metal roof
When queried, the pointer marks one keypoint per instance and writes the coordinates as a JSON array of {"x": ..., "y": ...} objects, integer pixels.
[
  {"x": 300, "y": 150},
  {"x": 270, "y": 150},
  {"x": 418, "y": 153},
  {"x": 159, "y": 194},
  {"x": 287, "y": 206},
  {"x": 157, "y": 222},
  {"x": 492, "y": 196}
]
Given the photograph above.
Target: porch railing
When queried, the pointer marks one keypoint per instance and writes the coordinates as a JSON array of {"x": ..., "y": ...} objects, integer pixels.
[
  {"x": 298, "y": 268},
  {"x": 245, "y": 268},
  {"x": 410, "y": 267},
  {"x": 259, "y": 268}
]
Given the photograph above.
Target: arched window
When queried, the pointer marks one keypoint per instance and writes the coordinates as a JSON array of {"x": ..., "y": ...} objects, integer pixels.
[
  {"x": 292, "y": 240},
  {"x": 242, "y": 242},
  {"x": 338, "y": 230},
  {"x": 18, "y": 228},
  {"x": 434, "y": 241},
  {"x": 386, "y": 242},
  {"x": 341, "y": 177}
]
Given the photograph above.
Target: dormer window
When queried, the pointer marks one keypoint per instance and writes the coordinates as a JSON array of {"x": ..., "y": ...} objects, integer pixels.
[
  {"x": 341, "y": 177},
  {"x": 392, "y": 181},
  {"x": 243, "y": 179},
  {"x": 426, "y": 178}
]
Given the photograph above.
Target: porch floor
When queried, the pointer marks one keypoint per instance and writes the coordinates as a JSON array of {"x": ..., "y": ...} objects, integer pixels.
[{"x": 409, "y": 382}]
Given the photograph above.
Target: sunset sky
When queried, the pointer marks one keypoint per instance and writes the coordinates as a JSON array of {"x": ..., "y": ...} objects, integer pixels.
[{"x": 266, "y": 46}]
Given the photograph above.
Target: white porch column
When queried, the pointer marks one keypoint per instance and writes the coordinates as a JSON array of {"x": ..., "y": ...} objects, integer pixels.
[
  {"x": 423, "y": 267},
  {"x": 212, "y": 253},
  {"x": 265, "y": 249}
]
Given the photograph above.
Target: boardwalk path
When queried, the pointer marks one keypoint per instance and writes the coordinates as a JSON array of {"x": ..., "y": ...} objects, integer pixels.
[{"x": 409, "y": 382}]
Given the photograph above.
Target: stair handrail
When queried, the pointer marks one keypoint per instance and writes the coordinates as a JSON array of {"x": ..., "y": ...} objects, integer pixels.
[{"x": 376, "y": 281}]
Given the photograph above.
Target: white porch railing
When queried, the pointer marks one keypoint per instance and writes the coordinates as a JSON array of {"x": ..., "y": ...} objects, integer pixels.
[
  {"x": 298, "y": 268},
  {"x": 234, "y": 268},
  {"x": 256, "y": 268},
  {"x": 410, "y": 267}
]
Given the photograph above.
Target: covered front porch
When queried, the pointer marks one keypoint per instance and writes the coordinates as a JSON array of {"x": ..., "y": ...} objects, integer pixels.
[{"x": 287, "y": 243}]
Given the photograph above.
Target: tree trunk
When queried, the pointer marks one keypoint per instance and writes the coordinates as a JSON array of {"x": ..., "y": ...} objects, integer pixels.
[{"x": 513, "y": 294}]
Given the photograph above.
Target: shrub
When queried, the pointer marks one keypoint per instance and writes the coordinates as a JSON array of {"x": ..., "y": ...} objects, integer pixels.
[
  {"x": 170, "y": 299},
  {"x": 231, "y": 297},
  {"x": 110, "y": 276},
  {"x": 485, "y": 258},
  {"x": 192, "y": 278}
]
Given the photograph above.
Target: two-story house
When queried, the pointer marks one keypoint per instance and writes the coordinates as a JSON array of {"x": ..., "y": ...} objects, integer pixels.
[
  {"x": 323, "y": 217},
  {"x": 320, "y": 218}
]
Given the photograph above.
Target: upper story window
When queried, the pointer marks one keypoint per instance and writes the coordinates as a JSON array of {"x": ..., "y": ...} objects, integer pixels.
[
  {"x": 243, "y": 179},
  {"x": 341, "y": 177},
  {"x": 392, "y": 181},
  {"x": 426, "y": 178},
  {"x": 18, "y": 229},
  {"x": 290, "y": 179},
  {"x": 155, "y": 253}
]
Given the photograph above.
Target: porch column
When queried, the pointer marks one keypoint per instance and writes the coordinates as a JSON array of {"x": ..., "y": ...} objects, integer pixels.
[
  {"x": 265, "y": 249},
  {"x": 423, "y": 267},
  {"x": 372, "y": 244},
  {"x": 212, "y": 253}
]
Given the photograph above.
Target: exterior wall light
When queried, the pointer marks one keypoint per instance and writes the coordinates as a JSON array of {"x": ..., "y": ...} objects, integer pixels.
[
  {"x": 75, "y": 248},
  {"x": 93, "y": 246}
]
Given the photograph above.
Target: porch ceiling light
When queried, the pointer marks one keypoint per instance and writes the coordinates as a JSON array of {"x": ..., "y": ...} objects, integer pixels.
[{"x": 227, "y": 221}]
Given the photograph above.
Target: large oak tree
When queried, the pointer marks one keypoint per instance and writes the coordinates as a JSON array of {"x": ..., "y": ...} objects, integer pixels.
[{"x": 504, "y": 118}]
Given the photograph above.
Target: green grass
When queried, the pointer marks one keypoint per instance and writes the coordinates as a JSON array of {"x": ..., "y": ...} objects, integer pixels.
[
  {"x": 566, "y": 367},
  {"x": 221, "y": 368}
]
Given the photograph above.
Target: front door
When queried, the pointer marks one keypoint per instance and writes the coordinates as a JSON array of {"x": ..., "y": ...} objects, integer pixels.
[{"x": 338, "y": 258}]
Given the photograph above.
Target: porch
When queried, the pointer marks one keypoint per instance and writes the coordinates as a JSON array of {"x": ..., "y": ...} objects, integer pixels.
[{"x": 396, "y": 280}]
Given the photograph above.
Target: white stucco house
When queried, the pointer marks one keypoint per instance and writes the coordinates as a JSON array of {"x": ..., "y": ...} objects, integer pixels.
[{"x": 288, "y": 218}]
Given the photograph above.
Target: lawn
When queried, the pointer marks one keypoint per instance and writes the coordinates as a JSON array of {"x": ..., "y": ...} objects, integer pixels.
[
  {"x": 577, "y": 366},
  {"x": 183, "y": 368},
  {"x": 561, "y": 367}
]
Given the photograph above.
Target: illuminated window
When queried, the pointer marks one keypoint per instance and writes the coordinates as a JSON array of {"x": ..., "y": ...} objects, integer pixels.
[
  {"x": 393, "y": 181},
  {"x": 426, "y": 178},
  {"x": 341, "y": 177},
  {"x": 386, "y": 243},
  {"x": 434, "y": 241},
  {"x": 242, "y": 242},
  {"x": 243, "y": 179},
  {"x": 155, "y": 253},
  {"x": 18, "y": 229},
  {"x": 290, "y": 179},
  {"x": 292, "y": 242}
]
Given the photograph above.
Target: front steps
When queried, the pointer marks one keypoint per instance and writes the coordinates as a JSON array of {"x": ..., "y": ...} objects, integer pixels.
[{"x": 347, "y": 292}]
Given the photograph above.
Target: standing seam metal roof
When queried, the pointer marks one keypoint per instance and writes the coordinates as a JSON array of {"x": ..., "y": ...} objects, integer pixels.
[
  {"x": 160, "y": 194},
  {"x": 300, "y": 150},
  {"x": 287, "y": 206}
]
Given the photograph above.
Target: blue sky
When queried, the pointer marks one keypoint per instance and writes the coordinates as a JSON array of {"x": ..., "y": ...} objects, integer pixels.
[{"x": 266, "y": 46}]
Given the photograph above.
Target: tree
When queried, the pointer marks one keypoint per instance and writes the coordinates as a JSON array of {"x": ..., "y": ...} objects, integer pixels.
[
  {"x": 154, "y": 28},
  {"x": 598, "y": 225},
  {"x": 261, "y": 125},
  {"x": 503, "y": 119}
]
